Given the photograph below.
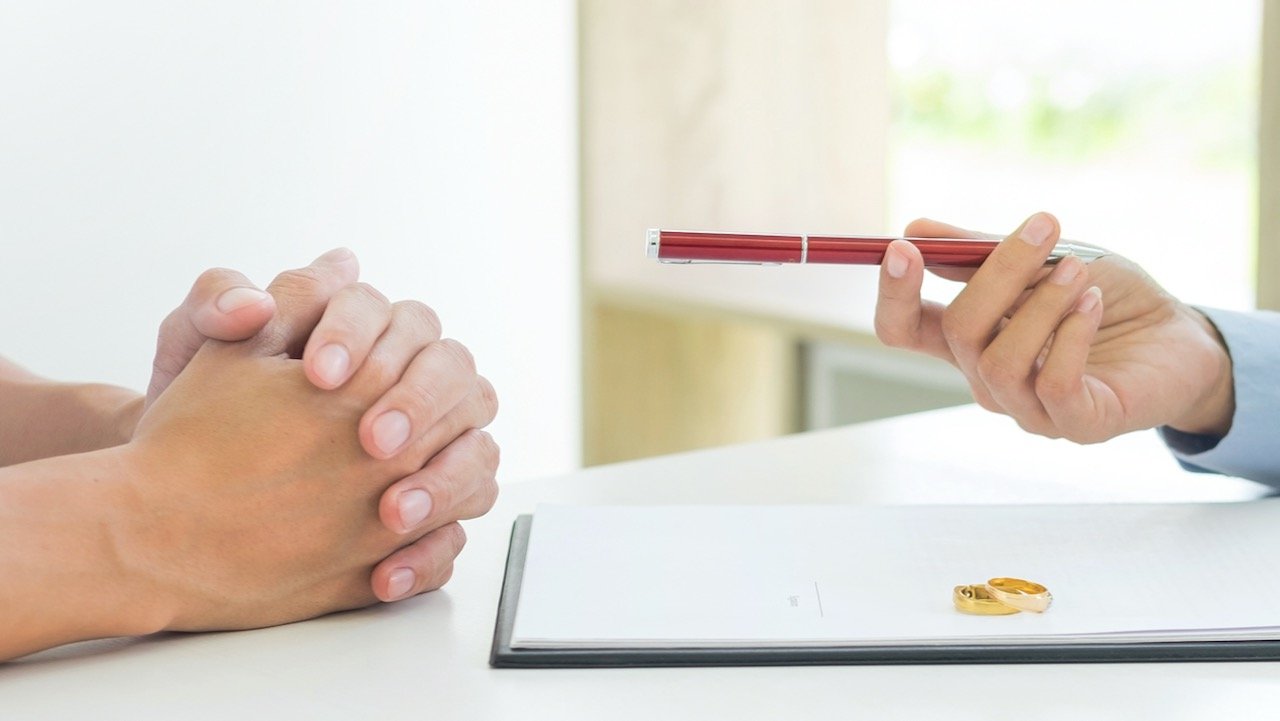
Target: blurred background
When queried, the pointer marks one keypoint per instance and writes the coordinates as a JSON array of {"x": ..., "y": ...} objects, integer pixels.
[{"x": 500, "y": 160}]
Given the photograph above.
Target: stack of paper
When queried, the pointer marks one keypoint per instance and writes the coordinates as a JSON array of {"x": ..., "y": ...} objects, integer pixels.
[{"x": 806, "y": 576}]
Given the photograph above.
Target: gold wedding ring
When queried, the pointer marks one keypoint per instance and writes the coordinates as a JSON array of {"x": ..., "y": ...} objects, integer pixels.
[
  {"x": 1019, "y": 594},
  {"x": 977, "y": 600}
]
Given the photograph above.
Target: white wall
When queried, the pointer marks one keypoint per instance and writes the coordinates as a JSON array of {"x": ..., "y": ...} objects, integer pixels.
[{"x": 141, "y": 142}]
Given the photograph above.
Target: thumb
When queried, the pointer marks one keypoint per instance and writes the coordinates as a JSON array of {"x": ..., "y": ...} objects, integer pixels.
[{"x": 222, "y": 305}]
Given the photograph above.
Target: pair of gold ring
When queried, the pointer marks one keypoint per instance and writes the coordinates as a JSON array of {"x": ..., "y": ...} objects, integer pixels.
[{"x": 1001, "y": 597}]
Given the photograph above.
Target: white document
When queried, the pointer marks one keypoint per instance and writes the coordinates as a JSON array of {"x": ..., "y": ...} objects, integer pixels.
[{"x": 760, "y": 576}]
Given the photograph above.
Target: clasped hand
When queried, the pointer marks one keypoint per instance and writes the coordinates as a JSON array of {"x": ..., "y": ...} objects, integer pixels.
[{"x": 321, "y": 463}]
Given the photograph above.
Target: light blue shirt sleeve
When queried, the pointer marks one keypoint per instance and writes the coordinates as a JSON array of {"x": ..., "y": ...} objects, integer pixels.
[{"x": 1251, "y": 449}]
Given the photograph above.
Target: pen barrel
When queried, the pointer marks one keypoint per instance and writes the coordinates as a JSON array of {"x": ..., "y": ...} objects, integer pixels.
[
  {"x": 937, "y": 253},
  {"x": 729, "y": 247},
  {"x": 681, "y": 246}
]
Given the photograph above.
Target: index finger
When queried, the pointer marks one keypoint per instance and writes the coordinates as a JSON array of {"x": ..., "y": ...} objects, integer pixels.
[
  {"x": 301, "y": 296},
  {"x": 975, "y": 314}
]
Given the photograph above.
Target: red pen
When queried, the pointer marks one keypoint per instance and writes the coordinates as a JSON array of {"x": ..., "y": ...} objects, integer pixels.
[{"x": 687, "y": 246}]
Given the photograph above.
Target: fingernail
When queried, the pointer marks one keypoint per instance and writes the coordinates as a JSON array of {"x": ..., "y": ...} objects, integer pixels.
[
  {"x": 390, "y": 431},
  {"x": 331, "y": 363},
  {"x": 337, "y": 255},
  {"x": 1037, "y": 229},
  {"x": 1067, "y": 270},
  {"x": 414, "y": 505},
  {"x": 895, "y": 262},
  {"x": 1089, "y": 299},
  {"x": 399, "y": 583},
  {"x": 237, "y": 298}
]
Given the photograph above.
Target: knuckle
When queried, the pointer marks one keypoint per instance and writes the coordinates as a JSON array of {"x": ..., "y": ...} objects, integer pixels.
[
  {"x": 490, "y": 453},
  {"x": 210, "y": 280},
  {"x": 985, "y": 401},
  {"x": 299, "y": 281},
  {"x": 457, "y": 539},
  {"x": 443, "y": 488},
  {"x": 481, "y": 467},
  {"x": 955, "y": 331},
  {"x": 1052, "y": 388},
  {"x": 168, "y": 356},
  {"x": 348, "y": 314},
  {"x": 458, "y": 354},
  {"x": 441, "y": 577},
  {"x": 488, "y": 496},
  {"x": 891, "y": 334},
  {"x": 996, "y": 370},
  {"x": 488, "y": 398},
  {"x": 419, "y": 314},
  {"x": 369, "y": 295},
  {"x": 422, "y": 396},
  {"x": 166, "y": 362},
  {"x": 448, "y": 544},
  {"x": 480, "y": 451},
  {"x": 380, "y": 368},
  {"x": 176, "y": 321}
]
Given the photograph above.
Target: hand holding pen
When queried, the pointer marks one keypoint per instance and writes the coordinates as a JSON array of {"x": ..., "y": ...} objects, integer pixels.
[
  {"x": 1087, "y": 351},
  {"x": 1082, "y": 350}
]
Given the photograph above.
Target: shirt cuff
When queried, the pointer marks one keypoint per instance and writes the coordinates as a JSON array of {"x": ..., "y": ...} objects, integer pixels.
[{"x": 1248, "y": 450}]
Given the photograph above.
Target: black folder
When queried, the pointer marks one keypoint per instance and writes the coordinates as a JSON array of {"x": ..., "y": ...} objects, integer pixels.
[{"x": 504, "y": 656}]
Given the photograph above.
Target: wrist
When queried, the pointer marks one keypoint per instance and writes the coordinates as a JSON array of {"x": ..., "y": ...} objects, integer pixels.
[
  {"x": 1212, "y": 410},
  {"x": 131, "y": 542},
  {"x": 43, "y": 419},
  {"x": 65, "y": 558}
]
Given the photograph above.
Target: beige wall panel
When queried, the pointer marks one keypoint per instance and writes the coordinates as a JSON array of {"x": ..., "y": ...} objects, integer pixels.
[
  {"x": 729, "y": 114},
  {"x": 743, "y": 114}
]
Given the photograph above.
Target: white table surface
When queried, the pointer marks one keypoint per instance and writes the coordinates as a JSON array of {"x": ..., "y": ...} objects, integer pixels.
[{"x": 428, "y": 657}]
